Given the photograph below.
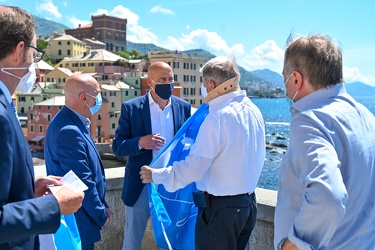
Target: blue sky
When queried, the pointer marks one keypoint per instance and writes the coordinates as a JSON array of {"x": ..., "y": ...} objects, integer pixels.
[{"x": 254, "y": 31}]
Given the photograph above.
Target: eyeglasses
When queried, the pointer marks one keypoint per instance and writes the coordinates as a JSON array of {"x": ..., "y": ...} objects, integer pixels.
[{"x": 39, "y": 54}]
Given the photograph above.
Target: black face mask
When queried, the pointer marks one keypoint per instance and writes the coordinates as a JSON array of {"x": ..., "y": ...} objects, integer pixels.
[{"x": 164, "y": 90}]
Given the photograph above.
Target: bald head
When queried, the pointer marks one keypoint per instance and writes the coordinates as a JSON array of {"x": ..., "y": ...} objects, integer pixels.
[
  {"x": 157, "y": 67},
  {"x": 79, "y": 90}
]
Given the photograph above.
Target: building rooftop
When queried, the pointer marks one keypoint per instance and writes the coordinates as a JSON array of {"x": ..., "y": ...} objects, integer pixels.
[
  {"x": 95, "y": 55},
  {"x": 109, "y": 87},
  {"x": 55, "y": 101},
  {"x": 67, "y": 38},
  {"x": 93, "y": 41},
  {"x": 43, "y": 65}
]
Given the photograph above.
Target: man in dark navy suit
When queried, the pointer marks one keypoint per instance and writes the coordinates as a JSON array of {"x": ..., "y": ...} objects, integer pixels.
[
  {"x": 146, "y": 124},
  {"x": 26, "y": 208},
  {"x": 69, "y": 146}
]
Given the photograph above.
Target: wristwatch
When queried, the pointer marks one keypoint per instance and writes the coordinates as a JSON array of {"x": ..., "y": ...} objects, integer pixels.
[{"x": 281, "y": 243}]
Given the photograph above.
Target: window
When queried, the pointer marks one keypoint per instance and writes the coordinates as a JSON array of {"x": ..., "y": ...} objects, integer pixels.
[
  {"x": 113, "y": 125},
  {"x": 116, "y": 37},
  {"x": 40, "y": 128},
  {"x": 112, "y": 93},
  {"x": 109, "y": 35},
  {"x": 98, "y": 36},
  {"x": 186, "y": 91},
  {"x": 99, "y": 117},
  {"x": 49, "y": 107},
  {"x": 48, "y": 117},
  {"x": 68, "y": 52},
  {"x": 112, "y": 104},
  {"x": 135, "y": 93},
  {"x": 32, "y": 128},
  {"x": 68, "y": 42},
  {"x": 59, "y": 43},
  {"x": 31, "y": 117},
  {"x": 59, "y": 52},
  {"x": 126, "y": 93},
  {"x": 175, "y": 78}
]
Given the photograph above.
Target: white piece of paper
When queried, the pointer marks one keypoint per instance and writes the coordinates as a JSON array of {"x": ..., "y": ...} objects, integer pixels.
[{"x": 71, "y": 180}]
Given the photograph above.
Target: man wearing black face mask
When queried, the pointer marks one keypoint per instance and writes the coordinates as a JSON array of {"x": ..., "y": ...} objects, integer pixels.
[
  {"x": 146, "y": 124},
  {"x": 26, "y": 210}
]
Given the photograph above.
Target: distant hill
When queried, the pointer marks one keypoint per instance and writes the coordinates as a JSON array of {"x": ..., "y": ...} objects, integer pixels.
[
  {"x": 142, "y": 48},
  {"x": 271, "y": 76},
  {"x": 360, "y": 89},
  {"x": 199, "y": 53},
  {"x": 46, "y": 27}
]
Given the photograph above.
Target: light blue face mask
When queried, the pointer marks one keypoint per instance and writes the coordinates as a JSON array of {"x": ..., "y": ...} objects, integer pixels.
[{"x": 98, "y": 103}]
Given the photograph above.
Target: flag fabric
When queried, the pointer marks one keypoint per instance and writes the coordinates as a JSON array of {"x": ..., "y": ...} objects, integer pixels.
[
  {"x": 174, "y": 214},
  {"x": 67, "y": 236}
]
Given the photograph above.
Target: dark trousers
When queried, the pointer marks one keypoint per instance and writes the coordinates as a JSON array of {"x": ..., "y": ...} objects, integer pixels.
[{"x": 226, "y": 223}]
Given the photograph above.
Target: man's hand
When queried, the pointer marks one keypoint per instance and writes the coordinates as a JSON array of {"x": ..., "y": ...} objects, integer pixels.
[
  {"x": 69, "y": 200},
  {"x": 42, "y": 183},
  {"x": 288, "y": 245},
  {"x": 153, "y": 142},
  {"x": 146, "y": 174},
  {"x": 109, "y": 215}
]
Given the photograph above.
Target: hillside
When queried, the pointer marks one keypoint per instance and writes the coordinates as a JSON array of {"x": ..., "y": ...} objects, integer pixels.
[
  {"x": 142, "y": 48},
  {"x": 270, "y": 76},
  {"x": 360, "y": 89},
  {"x": 46, "y": 27}
]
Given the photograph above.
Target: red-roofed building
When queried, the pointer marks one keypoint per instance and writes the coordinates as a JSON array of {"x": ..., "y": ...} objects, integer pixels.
[{"x": 107, "y": 29}]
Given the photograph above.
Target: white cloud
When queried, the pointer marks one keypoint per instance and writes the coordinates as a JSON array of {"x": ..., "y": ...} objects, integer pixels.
[
  {"x": 76, "y": 22},
  {"x": 48, "y": 7},
  {"x": 159, "y": 9},
  {"x": 353, "y": 75},
  {"x": 187, "y": 27},
  {"x": 267, "y": 55},
  {"x": 136, "y": 33},
  {"x": 65, "y": 3},
  {"x": 203, "y": 39}
]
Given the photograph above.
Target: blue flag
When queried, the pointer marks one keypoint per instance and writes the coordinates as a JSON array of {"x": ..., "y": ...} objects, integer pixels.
[{"x": 174, "y": 214}]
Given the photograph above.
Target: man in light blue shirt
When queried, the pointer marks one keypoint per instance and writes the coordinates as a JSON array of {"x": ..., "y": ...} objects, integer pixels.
[{"x": 327, "y": 176}]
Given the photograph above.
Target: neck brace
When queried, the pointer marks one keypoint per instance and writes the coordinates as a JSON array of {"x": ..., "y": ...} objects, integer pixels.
[{"x": 226, "y": 87}]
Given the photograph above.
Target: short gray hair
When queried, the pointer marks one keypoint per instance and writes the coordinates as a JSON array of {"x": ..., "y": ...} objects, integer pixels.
[{"x": 220, "y": 69}]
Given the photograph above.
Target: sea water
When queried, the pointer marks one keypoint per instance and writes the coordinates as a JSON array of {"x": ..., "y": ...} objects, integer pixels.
[{"x": 277, "y": 120}]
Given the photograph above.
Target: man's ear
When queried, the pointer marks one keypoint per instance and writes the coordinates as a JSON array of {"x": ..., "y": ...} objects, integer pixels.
[
  {"x": 19, "y": 53},
  {"x": 298, "y": 79},
  {"x": 82, "y": 97},
  {"x": 211, "y": 85}
]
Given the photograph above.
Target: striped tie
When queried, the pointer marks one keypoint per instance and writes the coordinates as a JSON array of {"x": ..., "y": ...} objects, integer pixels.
[{"x": 15, "y": 111}]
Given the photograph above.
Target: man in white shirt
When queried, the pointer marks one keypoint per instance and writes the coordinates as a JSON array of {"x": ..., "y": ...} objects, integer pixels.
[{"x": 225, "y": 161}]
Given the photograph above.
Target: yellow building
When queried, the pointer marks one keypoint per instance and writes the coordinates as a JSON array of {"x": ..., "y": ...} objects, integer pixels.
[
  {"x": 58, "y": 76},
  {"x": 105, "y": 66},
  {"x": 64, "y": 46}
]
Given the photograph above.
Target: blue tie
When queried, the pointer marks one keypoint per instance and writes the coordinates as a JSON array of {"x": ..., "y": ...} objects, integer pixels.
[{"x": 15, "y": 111}]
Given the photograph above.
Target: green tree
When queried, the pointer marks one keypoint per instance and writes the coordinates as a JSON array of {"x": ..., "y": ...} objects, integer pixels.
[{"x": 42, "y": 44}]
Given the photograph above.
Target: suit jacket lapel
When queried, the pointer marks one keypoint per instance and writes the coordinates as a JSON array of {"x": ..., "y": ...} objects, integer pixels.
[
  {"x": 176, "y": 115},
  {"x": 145, "y": 109}
]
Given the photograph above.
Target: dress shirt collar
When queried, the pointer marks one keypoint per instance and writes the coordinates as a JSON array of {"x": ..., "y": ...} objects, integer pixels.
[
  {"x": 6, "y": 92},
  {"x": 152, "y": 101},
  {"x": 317, "y": 96},
  {"x": 86, "y": 121}
]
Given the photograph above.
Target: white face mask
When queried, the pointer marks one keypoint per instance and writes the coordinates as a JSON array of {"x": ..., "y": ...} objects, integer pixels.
[
  {"x": 204, "y": 91},
  {"x": 26, "y": 82}
]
